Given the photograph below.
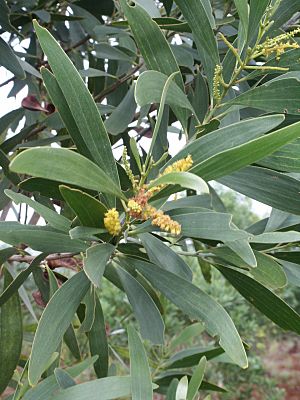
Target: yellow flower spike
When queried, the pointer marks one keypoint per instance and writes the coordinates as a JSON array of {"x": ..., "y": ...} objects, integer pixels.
[
  {"x": 112, "y": 222},
  {"x": 180, "y": 166},
  {"x": 165, "y": 223}
]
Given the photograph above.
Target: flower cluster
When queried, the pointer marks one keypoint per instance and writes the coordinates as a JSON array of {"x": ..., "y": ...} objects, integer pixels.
[
  {"x": 128, "y": 169},
  {"x": 178, "y": 166},
  {"x": 279, "y": 44},
  {"x": 139, "y": 208},
  {"x": 163, "y": 221},
  {"x": 112, "y": 222},
  {"x": 217, "y": 82},
  {"x": 166, "y": 223}
]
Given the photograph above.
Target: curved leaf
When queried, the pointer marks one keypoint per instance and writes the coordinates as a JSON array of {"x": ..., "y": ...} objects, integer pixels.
[
  {"x": 39, "y": 238},
  {"x": 184, "y": 179},
  {"x": 63, "y": 165},
  {"x": 149, "y": 89}
]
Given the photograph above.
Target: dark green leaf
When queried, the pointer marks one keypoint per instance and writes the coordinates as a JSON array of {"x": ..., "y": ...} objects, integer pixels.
[
  {"x": 95, "y": 261},
  {"x": 54, "y": 322},
  {"x": 162, "y": 255},
  {"x": 58, "y": 99},
  {"x": 10, "y": 61},
  {"x": 11, "y": 334},
  {"x": 122, "y": 115},
  {"x": 263, "y": 299},
  {"x": 66, "y": 166},
  {"x": 80, "y": 102},
  {"x": 191, "y": 357},
  {"x": 144, "y": 308},
  {"x": 89, "y": 210},
  {"x": 141, "y": 384},
  {"x": 98, "y": 342},
  {"x": 8, "y": 119},
  {"x": 39, "y": 238},
  {"x": 195, "y": 11},
  {"x": 269, "y": 187},
  {"x": 197, "y": 304},
  {"x": 20, "y": 279},
  {"x": 54, "y": 219},
  {"x": 110, "y": 388},
  {"x": 257, "y": 10},
  {"x": 72, "y": 343},
  {"x": 153, "y": 45},
  {"x": 196, "y": 380}
]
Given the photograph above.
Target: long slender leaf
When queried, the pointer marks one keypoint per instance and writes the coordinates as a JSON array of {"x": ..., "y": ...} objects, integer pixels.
[
  {"x": 162, "y": 255},
  {"x": 58, "y": 99},
  {"x": 197, "y": 304},
  {"x": 20, "y": 279},
  {"x": 227, "y": 138},
  {"x": 145, "y": 310},
  {"x": 196, "y": 380},
  {"x": 98, "y": 342},
  {"x": 39, "y": 238},
  {"x": 269, "y": 187},
  {"x": 54, "y": 219},
  {"x": 153, "y": 46},
  {"x": 64, "y": 165},
  {"x": 54, "y": 322},
  {"x": 95, "y": 261},
  {"x": 196, "y": 14},
  {"x": 231, "y": 160},
  {"x": 263, "y": 299},
  {"x": 11, "y": 334},
  {"x": 110, "y": 388},
  {"x": 80, "y": 102},
  {"x": 141, "y": 385}
]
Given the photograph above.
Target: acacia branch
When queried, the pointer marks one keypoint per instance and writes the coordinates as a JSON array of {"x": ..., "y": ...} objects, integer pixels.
[
  {"x": 51, "y": 257},
  {"x": 118, "y": 83},
  {"x": 78, "y": 44},
  {"x": 7, "y": 81}
]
